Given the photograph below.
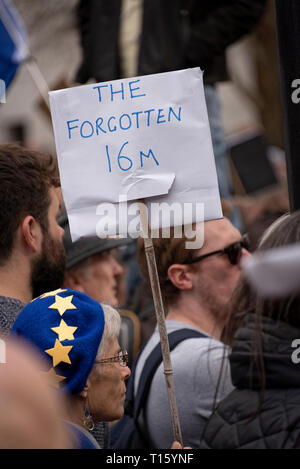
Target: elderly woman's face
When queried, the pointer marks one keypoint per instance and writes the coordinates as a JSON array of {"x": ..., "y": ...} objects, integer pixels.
[{"x": 106, "y": 394}]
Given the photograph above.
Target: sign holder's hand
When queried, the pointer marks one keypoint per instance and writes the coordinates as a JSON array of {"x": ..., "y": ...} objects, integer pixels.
[{"x": 177, "y": 445}]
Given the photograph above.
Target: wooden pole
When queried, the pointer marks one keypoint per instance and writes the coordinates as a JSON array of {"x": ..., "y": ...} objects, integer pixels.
[{"x": 159, "y": 310}]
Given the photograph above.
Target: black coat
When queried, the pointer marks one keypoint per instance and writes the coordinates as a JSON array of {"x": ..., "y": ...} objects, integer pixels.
[
  {"x": 276, "y": 424},
  {"x": 176, "y": 34}
]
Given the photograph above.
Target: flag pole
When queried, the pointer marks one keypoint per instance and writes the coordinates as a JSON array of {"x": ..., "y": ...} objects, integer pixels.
[
  {"x": 159, "y": 310},
  {"x": 38, "y": 78}
]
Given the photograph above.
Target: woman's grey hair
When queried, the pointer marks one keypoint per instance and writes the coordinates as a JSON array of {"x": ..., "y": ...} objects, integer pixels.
[
  {"x": 273, "y": 227},
  {"x": 111, "y": 328}
]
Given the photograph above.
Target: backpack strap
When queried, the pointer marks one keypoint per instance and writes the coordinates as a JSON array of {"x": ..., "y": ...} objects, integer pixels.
[{"x": 151, "y": 365}]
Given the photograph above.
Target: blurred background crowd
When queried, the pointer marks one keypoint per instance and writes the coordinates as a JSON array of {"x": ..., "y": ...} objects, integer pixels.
[
  {"x": 252, "y": 178},
  {"x": 250, "y": 110},
  {"x": 251, "y": 114},
  {"x": 250, "y": 101}
]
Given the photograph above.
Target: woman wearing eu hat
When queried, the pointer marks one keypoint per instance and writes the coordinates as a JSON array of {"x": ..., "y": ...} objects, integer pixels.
[{"x": 79, "y": 338}]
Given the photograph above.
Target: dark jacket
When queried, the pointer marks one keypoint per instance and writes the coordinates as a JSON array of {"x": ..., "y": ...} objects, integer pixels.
[
  {"x": 176, "y": 34},
  {"x": 276, "y": 424}
]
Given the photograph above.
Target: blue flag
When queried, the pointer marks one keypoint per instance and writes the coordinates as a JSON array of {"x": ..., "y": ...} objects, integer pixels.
[{"x": 13, "y": 44}]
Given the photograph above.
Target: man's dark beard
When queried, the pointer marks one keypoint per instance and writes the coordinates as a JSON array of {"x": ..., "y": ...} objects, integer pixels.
[{"x": 48, "y": 271}]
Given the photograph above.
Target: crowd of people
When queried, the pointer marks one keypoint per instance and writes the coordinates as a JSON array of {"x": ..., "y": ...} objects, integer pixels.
[
  {"x": 76, "y": 317},
  {"x": 236, "y": 384}
]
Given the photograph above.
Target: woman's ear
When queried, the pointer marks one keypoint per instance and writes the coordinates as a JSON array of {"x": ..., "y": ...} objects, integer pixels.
[
  {"x": 84, "y": 392},
  {"x": 72, "y": 280}
]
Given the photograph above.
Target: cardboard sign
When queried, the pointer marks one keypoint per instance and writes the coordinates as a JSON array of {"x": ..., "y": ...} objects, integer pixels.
[{"x": 145, "y": 137}]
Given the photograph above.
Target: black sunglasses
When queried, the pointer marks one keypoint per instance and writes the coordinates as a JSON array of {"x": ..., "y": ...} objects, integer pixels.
[{"x": 233, "y": 251}]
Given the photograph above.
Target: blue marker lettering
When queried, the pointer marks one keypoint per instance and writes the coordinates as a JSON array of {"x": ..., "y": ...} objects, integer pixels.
[
  {"x": 177, "y": 117},
  {"x": 134, "y": 89},
  {"x": 108, "y": 124},
  {"x": 108, "y": 158},
  {"x": 148, "y": 117},
  {"x": 129, "y": 122},
  {"x": 98, "y": 125},
  {"x": 70, "y": 128},
  {"x": 124, "y": 157},
  {"x": 137, "y": 117},
  {"x": 99, "y": 92},
  {"x": 160, "y": 117},
  {"x": 112, "y": 92},
  {"x": 150, "y": 153},
  {"x": 81, "y": 129}
]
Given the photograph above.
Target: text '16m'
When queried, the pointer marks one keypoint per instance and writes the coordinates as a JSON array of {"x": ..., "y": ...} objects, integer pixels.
[{"x": 125, "y": 163}]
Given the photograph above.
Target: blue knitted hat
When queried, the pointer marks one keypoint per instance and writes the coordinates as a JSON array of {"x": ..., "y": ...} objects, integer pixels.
[{"x": 67, "y": 326}]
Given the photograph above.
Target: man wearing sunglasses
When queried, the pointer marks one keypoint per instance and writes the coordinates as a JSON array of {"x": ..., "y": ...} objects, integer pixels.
[{"x": 196, "y": 288}]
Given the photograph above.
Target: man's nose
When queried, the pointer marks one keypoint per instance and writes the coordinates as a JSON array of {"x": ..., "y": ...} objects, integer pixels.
[
  {"x": 127, "y": 372},
  {"x": 118, "y": 268},
  {"x": 245, "y": 255}
]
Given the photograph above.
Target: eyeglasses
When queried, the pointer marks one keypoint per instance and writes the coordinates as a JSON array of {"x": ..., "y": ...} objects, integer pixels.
[
  {"x": 122, "y": 358},
  {"x": 233, "y": 251}
]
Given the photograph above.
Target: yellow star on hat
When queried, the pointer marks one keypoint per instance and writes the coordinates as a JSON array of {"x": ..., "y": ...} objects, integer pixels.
[
  {"x": 63, "y": 304},
  {"x": 54, "y": 378},
  {"x": 64, "y": 331},
  {"x": 60, "y": 353},
  {"x": 52, "y": 293}
]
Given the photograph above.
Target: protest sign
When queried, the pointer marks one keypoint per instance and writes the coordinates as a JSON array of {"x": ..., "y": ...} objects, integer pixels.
[
  {"x": 144, "y": 137},
  {"x": 132, "y": 140}
]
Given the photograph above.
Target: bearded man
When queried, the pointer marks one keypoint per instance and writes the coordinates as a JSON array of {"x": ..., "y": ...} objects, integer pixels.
[{"x": 32, "y": 256}]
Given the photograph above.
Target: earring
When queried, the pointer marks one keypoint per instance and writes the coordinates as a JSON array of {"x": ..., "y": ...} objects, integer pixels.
[{"x": 88, "y": 421}]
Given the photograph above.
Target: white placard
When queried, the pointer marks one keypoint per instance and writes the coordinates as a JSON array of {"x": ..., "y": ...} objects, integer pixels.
[{"x": 143, "y": 137}]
